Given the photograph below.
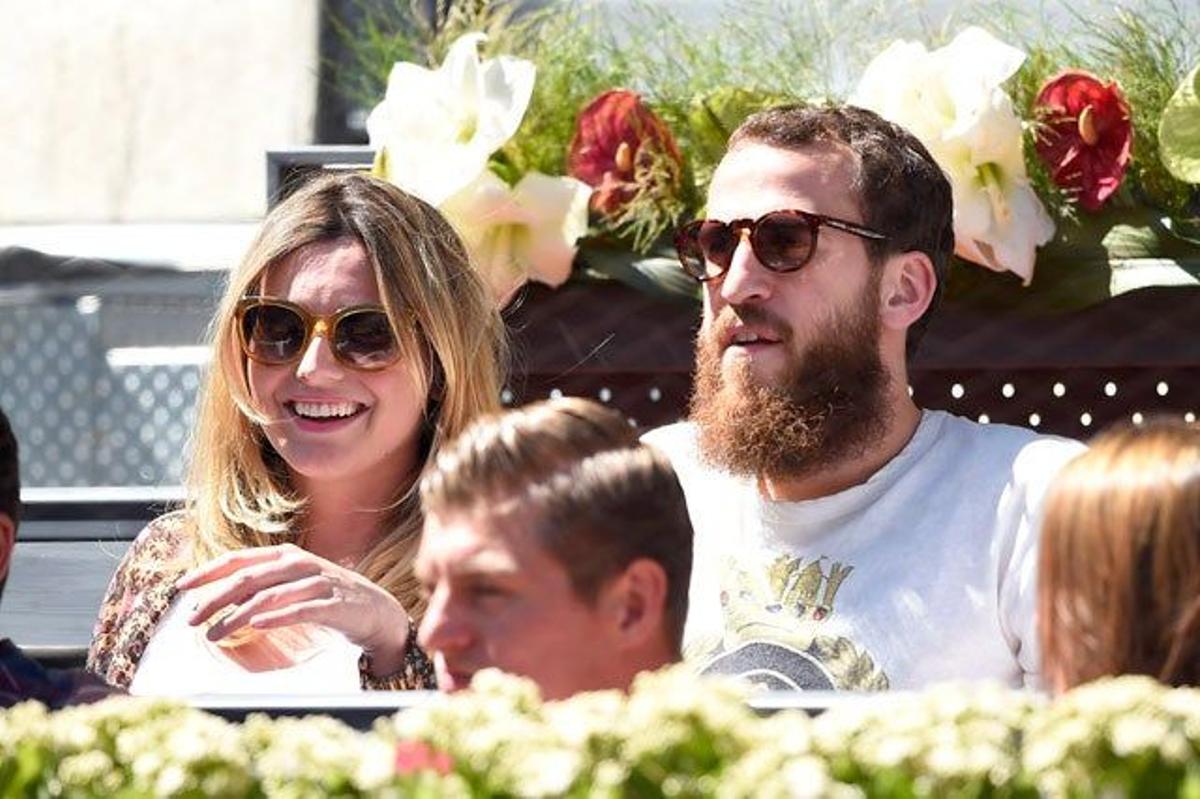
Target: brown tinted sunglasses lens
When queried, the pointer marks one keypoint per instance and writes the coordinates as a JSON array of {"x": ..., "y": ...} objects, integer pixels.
[
  {"x": 272, "y": 333},
  {"x": 781, "y": 242},
  {"x": 364, "y": 340},
  {"x": 687, "y": 246}
]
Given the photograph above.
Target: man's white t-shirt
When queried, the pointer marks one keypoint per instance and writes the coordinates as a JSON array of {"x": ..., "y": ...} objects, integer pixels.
[{"x": 924, "y": 573}]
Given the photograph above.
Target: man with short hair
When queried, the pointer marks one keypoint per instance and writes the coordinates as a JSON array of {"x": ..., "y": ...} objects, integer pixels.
[
  {"x": 556, "y": 546},
  {"x": 20, "y": 677},
  {"x": 845, "y": 538}
]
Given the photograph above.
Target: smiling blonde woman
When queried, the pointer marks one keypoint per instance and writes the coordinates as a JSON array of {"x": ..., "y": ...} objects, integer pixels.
[{"x": 353, "y": 339}]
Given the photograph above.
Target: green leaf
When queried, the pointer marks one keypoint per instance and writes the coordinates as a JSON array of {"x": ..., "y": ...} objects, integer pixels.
[
  {"x": 1131, "y": 241},
  {"x": 504, "y": 168},
  {"x": 657, "y": 273},
  {"x": 1190, "y": 789},
  {"x": 1179, "y": 130},
  {"x": 25, "y": 773},
  {"x": 713, "y": 116}
]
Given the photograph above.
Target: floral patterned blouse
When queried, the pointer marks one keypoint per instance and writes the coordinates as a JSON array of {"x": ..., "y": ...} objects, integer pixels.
[{"x": 144, "y": 587}]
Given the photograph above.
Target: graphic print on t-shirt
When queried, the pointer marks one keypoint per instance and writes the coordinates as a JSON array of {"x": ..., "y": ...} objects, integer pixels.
[{"x": 774, "y": 622}]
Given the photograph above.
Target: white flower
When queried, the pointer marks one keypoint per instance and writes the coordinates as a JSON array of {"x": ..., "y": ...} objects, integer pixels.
[
  {"x": 527, "y": 232},
  {"x": 951, "y": 99},
  {"x": 436, "y": 128},
  {"x": 1137, "y": 733}
]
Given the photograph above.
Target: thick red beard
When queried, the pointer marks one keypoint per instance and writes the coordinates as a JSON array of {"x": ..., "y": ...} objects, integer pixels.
[{"x": 825, "y": 409}]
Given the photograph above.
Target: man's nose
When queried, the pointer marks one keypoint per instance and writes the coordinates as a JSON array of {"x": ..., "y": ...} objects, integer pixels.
[
  {"x": 443, "y": 627},
  {"x": 746, "y": 279}
]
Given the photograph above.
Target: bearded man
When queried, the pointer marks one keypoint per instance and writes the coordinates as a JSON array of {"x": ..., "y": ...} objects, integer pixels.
[{"x": 844, "y": 537}]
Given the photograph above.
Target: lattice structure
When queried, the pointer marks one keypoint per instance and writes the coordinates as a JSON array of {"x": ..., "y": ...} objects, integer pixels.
[
  {"x": 99, "y": 377},
  {"x": 48, "y": 354}
]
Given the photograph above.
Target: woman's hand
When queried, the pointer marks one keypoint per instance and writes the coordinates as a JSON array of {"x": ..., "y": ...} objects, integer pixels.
[{"x": 278, "y": 586}]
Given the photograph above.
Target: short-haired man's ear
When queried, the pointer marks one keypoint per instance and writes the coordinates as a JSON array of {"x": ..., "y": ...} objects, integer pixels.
[
  {"x": 907, "y": 287},
  {"x": 635, "y": 602},
  {"x": 8, "y": 541}
]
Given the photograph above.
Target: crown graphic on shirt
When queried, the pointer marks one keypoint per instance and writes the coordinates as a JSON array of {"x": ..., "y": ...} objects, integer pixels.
[{"x": 807, "y": 590}]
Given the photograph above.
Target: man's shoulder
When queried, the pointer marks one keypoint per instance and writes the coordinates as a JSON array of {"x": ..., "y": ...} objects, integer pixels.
[
  {"x": 680, "y": 443},
  {"x": 1007, "y": 454},
  {"x": 1019, "y": 445},
  {"x": 676, "y": 440}
]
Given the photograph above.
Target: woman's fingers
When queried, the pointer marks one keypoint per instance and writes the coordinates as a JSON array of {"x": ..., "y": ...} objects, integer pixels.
[
  {"x": 242, "y": 585},
  {"x": 314, "y": 611},
  {"x": 283, "y": 585},
  {"x": 231, "y": 562},
  {"x": 279, "y": 596}
]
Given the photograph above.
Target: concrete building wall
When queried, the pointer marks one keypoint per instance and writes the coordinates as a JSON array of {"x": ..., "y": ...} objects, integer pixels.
[{"x": 149, "y": 110}]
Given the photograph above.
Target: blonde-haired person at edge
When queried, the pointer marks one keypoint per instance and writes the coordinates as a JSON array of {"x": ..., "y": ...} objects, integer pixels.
[
  {"x": 1119, "y": 584},
  {"x": 353, "y": 339}
]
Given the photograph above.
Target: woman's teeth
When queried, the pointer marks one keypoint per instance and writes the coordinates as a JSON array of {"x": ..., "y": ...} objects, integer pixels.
[{"x": 325, "y": 410}]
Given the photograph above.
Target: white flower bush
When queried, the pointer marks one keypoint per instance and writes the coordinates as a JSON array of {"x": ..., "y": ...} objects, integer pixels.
[
  {"x": 675, "y": 735},
  {"x": 952, "y": 740},
  {"x": 1126, "y": 737},
  {"x": 952, "y": 100}
]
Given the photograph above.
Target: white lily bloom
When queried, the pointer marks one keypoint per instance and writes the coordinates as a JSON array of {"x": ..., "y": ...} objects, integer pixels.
[
  {"x": 527, "y": 232},
  {"x": 436, "y": 128},
  {"x": 951, "y": 99}
]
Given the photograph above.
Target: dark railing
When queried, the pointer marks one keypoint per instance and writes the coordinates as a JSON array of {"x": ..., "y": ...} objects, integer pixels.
[
  {"x": 1069, "y": 374},
  {"x": 362, "y": 710}
]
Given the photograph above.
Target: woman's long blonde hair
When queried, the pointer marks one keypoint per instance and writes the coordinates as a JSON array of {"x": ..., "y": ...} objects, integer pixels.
[
  {"x": 451, "y": 334},
  {"x": 1119, "y": 569}
]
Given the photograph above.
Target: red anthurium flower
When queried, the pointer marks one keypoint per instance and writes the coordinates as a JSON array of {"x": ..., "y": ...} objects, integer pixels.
[
  {"x": 1085, "y": 135},
  {"x": 416, "y": 756},
  {"x": 618, "y": 143}
]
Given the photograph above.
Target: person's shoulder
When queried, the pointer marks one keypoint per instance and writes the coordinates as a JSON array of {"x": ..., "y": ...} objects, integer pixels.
[
  {"x": 171, "y": 524},
  {"x": 163, "y": 540},
  {"x": 680, "y": 443},
  {"x": 1023, "y": 454},
  {"x": 23, "y": 678},
  {"x": 676, "y": 440},
  {"x": 1005, "y": 440}
]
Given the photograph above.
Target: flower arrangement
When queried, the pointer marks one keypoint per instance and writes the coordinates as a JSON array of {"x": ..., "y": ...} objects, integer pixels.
[
  {"x": 675, "y": 734},
  {"x": 579, "y": 139}
]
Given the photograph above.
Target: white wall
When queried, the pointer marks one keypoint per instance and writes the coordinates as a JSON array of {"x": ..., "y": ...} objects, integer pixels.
[{"x": 149, "y": 110}]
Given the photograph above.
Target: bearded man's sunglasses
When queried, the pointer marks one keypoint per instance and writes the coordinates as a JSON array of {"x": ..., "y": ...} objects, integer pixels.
[
  {"x": 277, "y": 332},
  {"x": 782, "y": 241}
]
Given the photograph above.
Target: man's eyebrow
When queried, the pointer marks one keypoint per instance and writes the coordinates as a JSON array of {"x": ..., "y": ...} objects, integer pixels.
[{"x": 485, "y": 561}]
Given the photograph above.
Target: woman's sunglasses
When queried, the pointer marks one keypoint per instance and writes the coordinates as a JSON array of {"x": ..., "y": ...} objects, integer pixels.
[
  {"x": 782, "y": 241},
  {"x": 277, "y": 332}
]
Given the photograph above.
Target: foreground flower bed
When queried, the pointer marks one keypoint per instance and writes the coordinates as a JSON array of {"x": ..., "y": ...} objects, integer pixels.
[{"x": 674, "y": 736}]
